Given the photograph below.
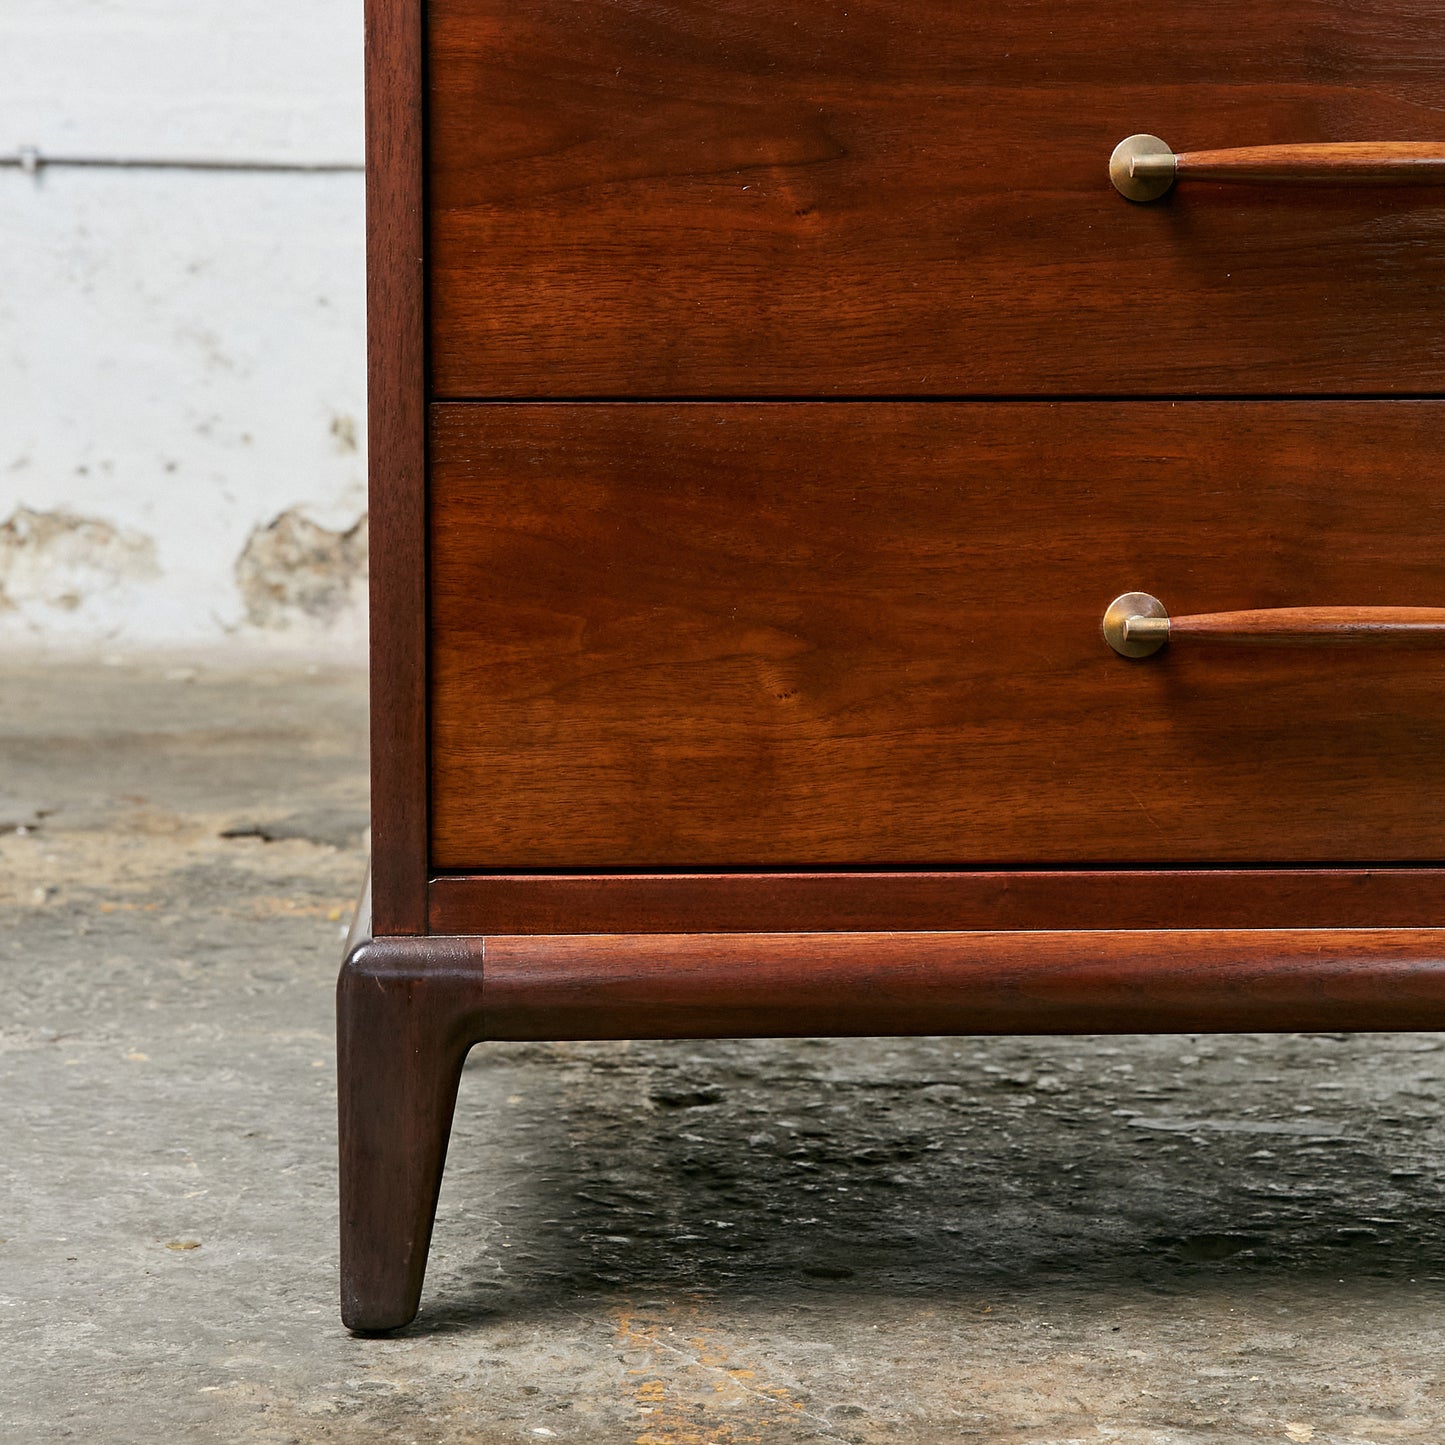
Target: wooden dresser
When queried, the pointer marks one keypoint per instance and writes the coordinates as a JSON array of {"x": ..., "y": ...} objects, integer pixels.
[{"x": 824, "y": 533}]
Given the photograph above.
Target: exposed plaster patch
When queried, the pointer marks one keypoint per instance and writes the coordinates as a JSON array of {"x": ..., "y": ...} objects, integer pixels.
[
  {"x": 60, "y": 561},
  {"x": 293, "y": 571}
]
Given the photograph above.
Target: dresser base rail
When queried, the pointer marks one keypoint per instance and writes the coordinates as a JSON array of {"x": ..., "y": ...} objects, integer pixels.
[{"x": 410, "y": 1008}]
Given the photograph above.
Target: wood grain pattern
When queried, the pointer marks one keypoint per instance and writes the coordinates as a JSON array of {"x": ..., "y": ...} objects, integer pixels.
[
  {"x": 862, "y": 642},
  {"x": 1398, "y": 163},
  {"x": 953, "y": 901},
  {"x": 791, "y": 635},
  {"x": 1317, "y": 626},
  {"x": 720, "y": 197},
  {"x": 396, "y": 428}
]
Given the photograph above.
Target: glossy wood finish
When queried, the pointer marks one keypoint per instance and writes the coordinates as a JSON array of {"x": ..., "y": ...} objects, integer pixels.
[
  {"x": 837, "y": 651},
  {"x": 1350, "y": 163},
  {"x": 733, "y": 199},
  {"x": 408, "y": 1009},
  {"x": 750, "y": 985},
  {"x": 1052, "y": 899},
  {"x": 396, "y": 351},
  {"x": 792, "y": 635}
]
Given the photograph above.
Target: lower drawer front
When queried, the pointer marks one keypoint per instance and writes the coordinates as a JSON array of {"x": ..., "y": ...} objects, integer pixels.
[{"x": 773, "y": 635}]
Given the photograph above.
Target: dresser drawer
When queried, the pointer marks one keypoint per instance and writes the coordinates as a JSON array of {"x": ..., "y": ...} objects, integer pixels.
[
  {"x": 911, "y": 198},
  {"x": 697, "y": 635}
]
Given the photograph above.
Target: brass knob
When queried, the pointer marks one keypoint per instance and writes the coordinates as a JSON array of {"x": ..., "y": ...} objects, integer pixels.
[
  {"x": 1122, "y": 619},
  {"x": 1142, "y": 168}
]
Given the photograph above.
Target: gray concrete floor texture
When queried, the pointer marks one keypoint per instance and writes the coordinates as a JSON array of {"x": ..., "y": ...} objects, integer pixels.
[{"x": 1154, "y": 1241}]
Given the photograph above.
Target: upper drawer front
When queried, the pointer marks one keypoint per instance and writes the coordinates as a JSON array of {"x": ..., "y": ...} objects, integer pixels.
[
  {"x": 717, "y": 197},
  {"x": 770, "y": 634}
]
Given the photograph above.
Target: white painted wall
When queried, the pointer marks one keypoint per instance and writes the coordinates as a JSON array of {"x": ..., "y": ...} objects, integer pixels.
[{"x": 181, "y": 349}]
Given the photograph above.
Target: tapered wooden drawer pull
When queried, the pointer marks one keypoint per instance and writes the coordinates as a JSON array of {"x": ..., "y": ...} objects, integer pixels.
[
  {"x": 1136, "y": 625},
  {"x": 1143, "y": 167}
]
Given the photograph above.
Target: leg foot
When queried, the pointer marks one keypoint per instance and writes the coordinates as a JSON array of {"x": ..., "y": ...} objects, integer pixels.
[{"x": 403, "y": 1031}]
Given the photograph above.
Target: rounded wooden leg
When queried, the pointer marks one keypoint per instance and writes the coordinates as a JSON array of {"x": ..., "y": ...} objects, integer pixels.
[{"x": 401, "y": 1039}]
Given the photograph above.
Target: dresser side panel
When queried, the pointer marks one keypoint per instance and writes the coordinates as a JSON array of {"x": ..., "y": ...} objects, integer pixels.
[{"x": 396, "y": 381}]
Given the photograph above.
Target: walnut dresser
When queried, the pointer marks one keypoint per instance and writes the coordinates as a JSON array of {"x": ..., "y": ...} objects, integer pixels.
[{"x": 834, "y": 469}]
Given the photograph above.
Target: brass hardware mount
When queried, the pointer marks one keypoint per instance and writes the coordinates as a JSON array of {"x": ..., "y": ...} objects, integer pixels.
[
  {"x": 1142, "y": 168},
  {"x": 1122, "y": 620}
]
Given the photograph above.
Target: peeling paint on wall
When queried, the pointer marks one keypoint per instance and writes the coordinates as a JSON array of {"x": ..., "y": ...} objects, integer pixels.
[
  {"x": 184, "y": 363},
  {"x": 182, "y": 356},
  {"x": 296, "y": 572},
  {"x": 59, "y": 562}
]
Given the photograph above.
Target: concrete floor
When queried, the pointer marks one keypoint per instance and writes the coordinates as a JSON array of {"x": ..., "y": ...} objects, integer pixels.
[{"x": 1133, "y": 1240}]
